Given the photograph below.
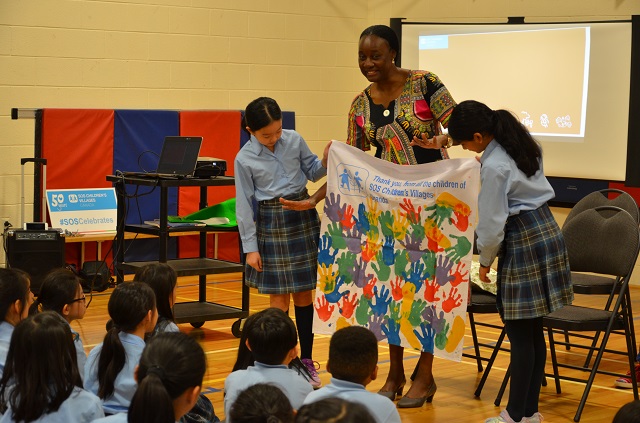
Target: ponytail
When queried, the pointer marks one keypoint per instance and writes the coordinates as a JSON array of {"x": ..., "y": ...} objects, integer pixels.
[
  {"x": 171, "y": 363},
  {"x": 470, "y": 117},
  {"x": 128, "y": 305}
]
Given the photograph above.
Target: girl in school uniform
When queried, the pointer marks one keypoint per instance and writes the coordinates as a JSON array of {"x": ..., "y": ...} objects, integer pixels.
[
  {"x": 110, "y": 365},
  {"x": 169, "y": 378},
  {"x": 516, "y": 225},
  {"x": 41, "y": 382},
  {"x": 15, "y": 300},
  {"x": 163, "y": 280},
  {"x": 281, "y": 246},
  {"x": 61, "y": 292}
]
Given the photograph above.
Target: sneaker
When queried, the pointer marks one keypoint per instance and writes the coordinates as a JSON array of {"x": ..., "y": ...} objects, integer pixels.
[
  {"x": 306, "y": 371},
  {"x": 504, "y": 417},
  {"x": 536, "y": 418},
  {"x": 312, "y": 368},
  {"x": 625, "y": 382}
]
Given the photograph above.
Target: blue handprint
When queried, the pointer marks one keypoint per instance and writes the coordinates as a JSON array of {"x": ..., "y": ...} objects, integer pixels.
[
  {"x": 392, "y": 330},
  {"x": 382, "y": 301},
  {"x": 324, "y": 252},
  {"x": 388, "y": 250},
  {"x": 362, "y": 223},
  {"x": 335, "y": 295},
  {"x": 416, "y": 276},
  {"x": 426, "y": 337}
]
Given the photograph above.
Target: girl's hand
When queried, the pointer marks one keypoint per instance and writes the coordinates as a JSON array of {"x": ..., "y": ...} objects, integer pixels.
[
  {"x": 483, "y": 274},
  {"x": 325, "y": 155},
  {"x": 254, "y": 260},
  {"x": 301, "y": 205}
]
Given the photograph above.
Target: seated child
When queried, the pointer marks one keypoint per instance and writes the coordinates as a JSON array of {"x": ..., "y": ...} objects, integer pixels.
[
  {"x": 628, "y": 413},
  {"x": 273, "y": 341},
  {"x": 261, "y": 403},
  {"x": 41, "y": 381},
  {"x": 334, "y": 410},
  {"x": 353, "y": 364},
  {"x": 15, "y": 300}
]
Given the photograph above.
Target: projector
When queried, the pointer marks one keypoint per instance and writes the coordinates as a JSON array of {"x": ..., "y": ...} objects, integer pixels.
[{"x": 210, "y": 167}]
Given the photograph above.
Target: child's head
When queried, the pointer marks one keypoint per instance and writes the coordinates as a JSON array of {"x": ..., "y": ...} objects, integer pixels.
[
  {"x": 272, "y": 337},
  {"x": 628, "y": 413},
  {"x": 41, "y": 369},
  {"x": 245, "y": 356},
  {"x": 263, "y": 120},
  {"x": 163, "y": 280},
  {"x": 61, "y": 292},
  {"x": 334, "y": 410},
  {"x": 353, "y": 355},
  {"x": 261, "y": 403},
  {"x": 169, "y": 377},
  {"x": 132, "y": 308},
  {"x": 15, "y": 295}
]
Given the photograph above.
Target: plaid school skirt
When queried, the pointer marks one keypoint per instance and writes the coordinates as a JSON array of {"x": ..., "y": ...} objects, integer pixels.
[
  {"x": 533, "y": 267},
  {"x": 288, "y": 246}
]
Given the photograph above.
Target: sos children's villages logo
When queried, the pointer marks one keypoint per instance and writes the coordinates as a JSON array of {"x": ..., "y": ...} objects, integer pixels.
[{"x": 57, "y": 200}]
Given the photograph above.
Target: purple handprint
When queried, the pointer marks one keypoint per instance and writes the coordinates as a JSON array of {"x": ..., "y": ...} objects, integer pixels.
[
  {"x": 332, "y": 208},
  {"x": 436, "y": 320},
  {"x": 375, "y": 325},
  {"x": 412, "y": 245},
  {"x": 360, "y": 278},
  {"x": 353, "y": 240},
  {"x": 442, "y": 270}
]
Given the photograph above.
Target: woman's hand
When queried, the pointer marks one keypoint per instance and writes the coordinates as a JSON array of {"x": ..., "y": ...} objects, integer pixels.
[
  {"x": 301, "y": 205},
  {"x": 483, "y": 274},
  {"x": 325, "y": 155},
  {"x": 254, "y": 260},
  {"x": 432, "y": 143}
]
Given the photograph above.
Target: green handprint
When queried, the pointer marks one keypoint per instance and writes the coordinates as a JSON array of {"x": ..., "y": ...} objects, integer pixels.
[
  {"x": 402, "y": 259},
  {"x": 346, "y": 266},
  {"x": 386, "y": 223},
  {"x": 442, "y": 337},
  {"x": 429, "y": 259},
  {"x": 415, "y": 316},
  {"x": 363, "y": 311},
  {"x": 417, "y": 231},
  {"x": 460, "y": 250},
  {"x": 394, "y": 310},
  {"x": 334, "y": 230},
  {"x": 382, "y": 270}
]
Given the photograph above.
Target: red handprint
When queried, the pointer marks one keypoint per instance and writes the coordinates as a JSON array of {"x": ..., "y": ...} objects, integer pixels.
[
  {"x": 458, "y": 276},
  {"x": 396, "y": 289},
  {"x": 346, "y": 218},
  {"x": 368, "y": 289},
  {"x": 461, "y": 212},
  {"x": 324, "y": 309},
  {"x": 452, "y": 301},
  {"x": 369, "y": 250},
  {"x": 431, "y": 290},
  {"x": 348, "y": 305},
  {"x": 411, "y": 214}
]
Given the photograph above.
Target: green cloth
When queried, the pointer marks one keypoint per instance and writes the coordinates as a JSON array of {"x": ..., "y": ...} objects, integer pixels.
[{"x": 225, "y": 209}]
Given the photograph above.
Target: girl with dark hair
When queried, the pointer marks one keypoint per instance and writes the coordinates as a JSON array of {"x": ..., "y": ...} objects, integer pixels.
[
  {"x": 15, "y": 300},
  {"x": 110, "y": 365},
  {"x": 516, "y": 225},
  {"x": 41, "y": 381},
  {"x": 281, "y": 246},
  {"x": 169, "y": 377},
  {"x": 396, "y": 110},
  {"x": 61, "y": 292},
  {"x": 163, "y": 280},
  {"x": 334, "y": 410},
  {"x": 261, "y": 403}
]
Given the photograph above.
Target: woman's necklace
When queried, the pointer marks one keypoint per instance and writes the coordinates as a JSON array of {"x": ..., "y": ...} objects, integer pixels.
[{"x": 386, "y": 113}]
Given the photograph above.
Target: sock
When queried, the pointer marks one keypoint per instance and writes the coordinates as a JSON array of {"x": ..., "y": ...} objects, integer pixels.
[{"x": 304, "y": 321}]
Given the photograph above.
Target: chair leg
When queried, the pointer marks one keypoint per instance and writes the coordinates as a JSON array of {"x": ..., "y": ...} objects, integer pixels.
[
  {"x": 494, "y": 354},
  {"x": 566, "y": 339},
  {"x": 554, "y": 360},
  {"x": 634, "y": 350},
  {"x": 631, "y": 346},
  {"x": 503, "y": 387},
  {"x": 474, "y": 336}
]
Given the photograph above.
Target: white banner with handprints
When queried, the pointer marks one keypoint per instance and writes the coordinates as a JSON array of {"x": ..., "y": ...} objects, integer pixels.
[{"x": 395, "y": 249}]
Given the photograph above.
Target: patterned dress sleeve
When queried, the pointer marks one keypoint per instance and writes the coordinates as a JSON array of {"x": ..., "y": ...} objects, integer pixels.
[
  {"x": 440, "y": 100},
  {"x": 355, "y": 132}
]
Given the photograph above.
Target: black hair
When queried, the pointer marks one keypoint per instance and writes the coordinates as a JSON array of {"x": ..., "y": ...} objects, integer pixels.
[
  {"x": 261, "y": 403},
  {"x": 260, "y": 113},
  {"x": 41, "y": 370},
  {"x": 470, "y": 117},
  {"x": 14, "y": 286},
  {"x": 245, "y": 357},
  {"x": 128, "y": 305},
  {"x": 628, "y": 413},
  {"x": 353, "y": 354},
  {"x": 162, "y": 279},
  {"x": 271, "y": 336},
  {"x": 170, "y": 364},
  {"x": 384, "y": 32},
  {"x": 59, "y": 288},
  {"x": 334, "y": 410}
]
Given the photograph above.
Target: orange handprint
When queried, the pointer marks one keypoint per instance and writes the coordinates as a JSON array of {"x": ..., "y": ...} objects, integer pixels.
[
  {"x": 348, "y": 305},
  {"x": 368, "y": 291},
  {"x": 461, "y": 211},
  {"x": 324, "y": 309},
  {"x": 411, "y": 214},
  {"x": 458, "y": 276},
  {"x": 431, "y": 290},
  {"x": 346, "y": 218},
  {"x": 453, "y": 300},
  {"x": 396, "y": 289}
]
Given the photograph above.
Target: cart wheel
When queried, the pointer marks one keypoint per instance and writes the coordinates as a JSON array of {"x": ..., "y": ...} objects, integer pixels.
[
  {"x": 197, "y": 324},
  {"x": 235, "y": 328}
]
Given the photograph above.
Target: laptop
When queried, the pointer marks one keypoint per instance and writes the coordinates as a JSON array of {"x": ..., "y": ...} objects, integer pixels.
[{"x": 178, "y": 158}]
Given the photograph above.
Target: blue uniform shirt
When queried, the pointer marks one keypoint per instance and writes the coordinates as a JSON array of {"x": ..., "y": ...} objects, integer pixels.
[{"x": 6, "y": 330}]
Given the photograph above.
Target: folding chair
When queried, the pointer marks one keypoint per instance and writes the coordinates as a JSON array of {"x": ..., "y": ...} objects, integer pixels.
[{"x": 605, "y": 241}]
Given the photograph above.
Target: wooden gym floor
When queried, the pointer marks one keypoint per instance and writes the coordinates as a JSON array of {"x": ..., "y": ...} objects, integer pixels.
[{"x": 454, "y": 401}]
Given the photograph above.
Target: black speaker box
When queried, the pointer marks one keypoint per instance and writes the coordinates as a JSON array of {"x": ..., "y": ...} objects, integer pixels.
[{"x": 36, "y": 252}]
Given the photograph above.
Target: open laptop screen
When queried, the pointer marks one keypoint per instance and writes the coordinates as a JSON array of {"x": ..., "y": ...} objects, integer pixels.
[{"x": 179, "y": 155}]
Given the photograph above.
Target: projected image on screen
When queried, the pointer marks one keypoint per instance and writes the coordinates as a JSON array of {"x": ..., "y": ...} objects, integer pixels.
[{"x": 542, "y": 75}]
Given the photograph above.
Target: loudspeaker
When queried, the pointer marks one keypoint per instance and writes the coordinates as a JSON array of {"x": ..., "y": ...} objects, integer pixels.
[{"x": 35, "y": 252}]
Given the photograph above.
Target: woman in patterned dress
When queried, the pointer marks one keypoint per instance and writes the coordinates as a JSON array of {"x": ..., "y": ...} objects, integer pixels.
[{"x": 400, "y": 110}]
